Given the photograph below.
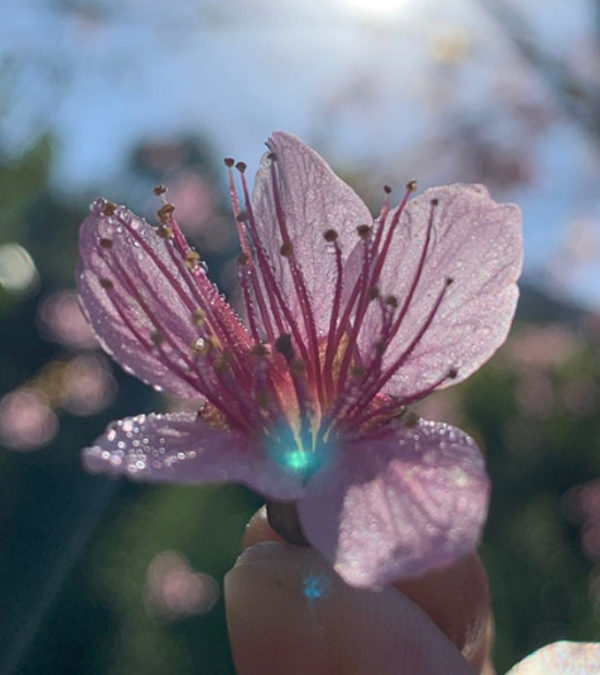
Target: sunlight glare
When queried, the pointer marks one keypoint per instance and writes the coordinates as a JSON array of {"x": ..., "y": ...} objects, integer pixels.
[{"x": 375, "y": 9}]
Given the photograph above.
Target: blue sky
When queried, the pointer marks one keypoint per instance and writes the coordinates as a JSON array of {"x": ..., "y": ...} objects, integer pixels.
[{"x": 381, "y": 92}]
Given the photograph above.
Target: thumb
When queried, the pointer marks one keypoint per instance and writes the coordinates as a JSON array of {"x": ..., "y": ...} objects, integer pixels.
[{"x": 288, "y": 612}]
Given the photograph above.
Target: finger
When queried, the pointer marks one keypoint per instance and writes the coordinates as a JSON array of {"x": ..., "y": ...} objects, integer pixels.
[
  {"x": 288, "y": 612},
  {"x": 457, "y": 597}
]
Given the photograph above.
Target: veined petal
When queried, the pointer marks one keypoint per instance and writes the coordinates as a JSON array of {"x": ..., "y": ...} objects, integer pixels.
[
  {"x": 469, "y": 266},
  {"x": 561, "y": 658},
  {"x": 144, "y": 303},
  {"x": 183, "y": 448},
  {"x": 398, "y": 504},
  {"x": 313, "y": 200}
]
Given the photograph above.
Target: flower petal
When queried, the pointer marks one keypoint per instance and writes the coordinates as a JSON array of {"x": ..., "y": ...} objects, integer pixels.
[
  {"x": 561, "y": 658},
  {"x": 313, "y": 200},
  {"x": 398, "y": 504},
  {"x": 183, "y": 448},
  {"x": 476, "y": 243},
  {"x": 142, "y": 300}
]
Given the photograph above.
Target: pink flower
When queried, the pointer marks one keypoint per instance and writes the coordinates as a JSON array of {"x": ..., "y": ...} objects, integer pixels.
[{"x": 348, "y": 320}]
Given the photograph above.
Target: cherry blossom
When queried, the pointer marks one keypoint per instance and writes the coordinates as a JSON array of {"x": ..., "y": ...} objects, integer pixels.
[{"x": 347, "y": 320}]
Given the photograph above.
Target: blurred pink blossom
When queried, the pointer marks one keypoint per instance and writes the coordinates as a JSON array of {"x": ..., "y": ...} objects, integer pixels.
[
  {"x": 60, "y": 319},
  {"x": 175, "y": 591},
  {"x": 88, "y": 385},
  {"x": 542, "y": 346},
  {"x": 26, "y": 420}
]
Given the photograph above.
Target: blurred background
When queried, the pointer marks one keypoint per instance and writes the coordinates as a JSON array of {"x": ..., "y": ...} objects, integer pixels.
[{"x": 114, "y": 96}]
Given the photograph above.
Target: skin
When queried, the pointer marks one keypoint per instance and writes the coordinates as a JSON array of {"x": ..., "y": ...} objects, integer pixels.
[{"x": 438, "y": 623}]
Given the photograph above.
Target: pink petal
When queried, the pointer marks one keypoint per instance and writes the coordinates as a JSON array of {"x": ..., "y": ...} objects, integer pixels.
[
  {"x": 561, "y": 658},
  {"x": 144, "y": 318},
  {"x": 476, "y": 243},
  {"x": 183, "y": 448},
  {"x": 398, "y": 504},
  {"x": 313, "y": 200}
]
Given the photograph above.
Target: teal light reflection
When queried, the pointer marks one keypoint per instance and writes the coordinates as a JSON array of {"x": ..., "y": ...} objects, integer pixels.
[
  {"x": 288, "y": 454},
  {"x": 315, "y": 586}
]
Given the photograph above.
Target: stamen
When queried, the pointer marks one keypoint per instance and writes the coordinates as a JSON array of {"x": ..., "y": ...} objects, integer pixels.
[{"x": 300, "y": 286}]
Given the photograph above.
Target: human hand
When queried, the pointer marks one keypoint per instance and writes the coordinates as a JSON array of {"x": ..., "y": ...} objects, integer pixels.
[{"x": 289, "y": 613}]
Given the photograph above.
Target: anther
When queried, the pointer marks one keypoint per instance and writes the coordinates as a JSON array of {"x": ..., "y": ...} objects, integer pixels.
[
  {"x": 106, "y": 283},
  {"x": 379, "y": 347},
  {"x": 229, "y": 162},
  {"x": 364, "y": 231},
  {"x": 192, "y": 259},
  {"x": 286, "y": 249},
  {"x": 260, "y": 350},
  {"x": 453, "y": 373},
  {"x": 243, "y": 258},
  {"x": 373, "y": 293},
  {"x": 272, "y": 156},
  {"x": 297, "y": 367},
  {"x": 157, "y": 338},
  {"x": 435, "y": 201},
  {"x": 330, "y": 235},
  {"x": 198, "y": 317},
  {"x": 357, "y": 371},
  {"x": 109, "y": 209},
  {"x": 283, "y": 345},
  {"x": 449, "y": 281},
  {"x": 106, "y": 243},
  {"x": 164, "y": 232},
  {"x": 242, "y": 216},
  {"x": 387, "y": 189},
  {"x": 391, "y": 301},
  {"x": 241, "y": 166},
  {"x": 159, "y": 190},
  {"x": 411, "y": 186},
  {"x": 165, "y": 213}
]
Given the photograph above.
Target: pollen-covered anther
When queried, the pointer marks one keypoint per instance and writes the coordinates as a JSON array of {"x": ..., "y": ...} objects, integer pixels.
[
  {"x": 222, "y": 361},
  {"x": 357, "y": 371},
  {"x": 449, "y": 281},
  {"x": 364, "y": 231},
  {"x": 373, "y": 293},
  {"x": 286, "y": 249},
  {"x": 412, "y": 185},
  {"x": 106, "y": 284},
  {"x": 241, "y": 166},
  {"x": 229, "y": 162},
  {"x": 164, "y": 232},
  {"x": 260, "y": 349},
  {"x": 330, "y": 235},
  {"x": 391, "y": 301},
  {"x": 192, "y": 259},
  {"x": 198, "y": 317},
  {"x": 165, "y": 213},
  {"x": 283, "y": 345},
  {"x": 157, "y": 338},
  {"x": 297, "y": 367},
  {"x": 435, "y": 201},
  {"x": 159, "y": 190},
  {"x": 453, "y": 373},
  {"x": 379, "y": 347},
  {"x": 387, "y": 189},
  {"x": 109, "y": 209},
  {"x": 106, "y": 243}
]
